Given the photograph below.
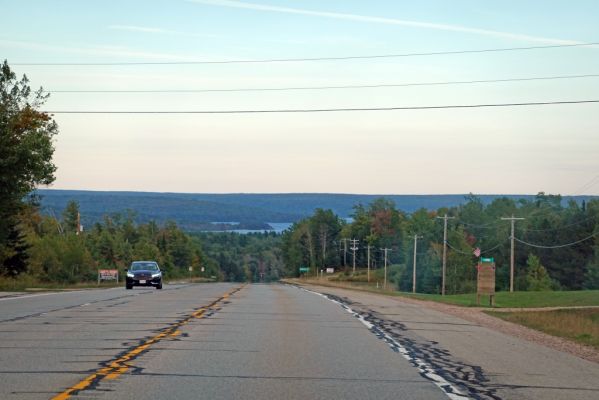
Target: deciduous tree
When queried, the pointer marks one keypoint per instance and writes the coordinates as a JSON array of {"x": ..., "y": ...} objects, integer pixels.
[{"x": 26, "y": 151}]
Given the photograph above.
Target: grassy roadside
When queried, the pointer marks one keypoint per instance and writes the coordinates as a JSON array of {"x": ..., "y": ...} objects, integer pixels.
[
  {"x": 28, "y": 284},
  {"x": 31, "y": 285},
  {"x": 582, "y": 298},
  {"x": 581, "y": 325}
]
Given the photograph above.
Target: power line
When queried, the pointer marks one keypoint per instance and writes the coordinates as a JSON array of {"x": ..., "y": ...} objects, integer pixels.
[
  {"x": 315, "y": 110},
  {"x": 292, "y": 88},
  {"x": 588, "y": 185},
  {"x": 490, "y": 225},
  {"x": 556, "y": 246},
  {"x": 472, "y": 250},
  {"x": 582, "y": 221},
  {"x": 276, "y": 60},
  {"x": 491, "y": 249},
  {"x": 458, "y": 250}
]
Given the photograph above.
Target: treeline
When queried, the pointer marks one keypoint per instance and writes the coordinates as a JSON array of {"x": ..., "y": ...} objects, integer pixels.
[
  {"x": 253, "y": 257},
  {"x": 556, "y": 247},
  {"x": 53, "y": 249}
]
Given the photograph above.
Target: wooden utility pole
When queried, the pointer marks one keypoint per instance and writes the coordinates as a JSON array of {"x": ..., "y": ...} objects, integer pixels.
[
  {"x": 354, "y": 247},
  {"x": 344, "y": 252},
  {"x": 416, "y": 237},
  {"x": 368, "y": 267},
  {"x": 385, "y": 279},
  {"x": 513, "y": 220},
  {"x": 323, "y": 237},
  {"x": 444, "y": 218}
]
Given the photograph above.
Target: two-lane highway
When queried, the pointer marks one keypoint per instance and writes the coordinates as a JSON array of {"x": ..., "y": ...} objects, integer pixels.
[
  {"x": 50, "y": 342},
  {"x": 198, "y": 341}
]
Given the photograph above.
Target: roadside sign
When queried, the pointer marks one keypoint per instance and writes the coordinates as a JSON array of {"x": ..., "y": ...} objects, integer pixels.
[
  {"x": 486, "y": 280},
  {"x": 330, "y": 270},
  {"x": 190, "y": 269},
  {"x": 487, "y": 260},
  {"x": 304, "y": 270},
  {"x": 108, "y": 275}
]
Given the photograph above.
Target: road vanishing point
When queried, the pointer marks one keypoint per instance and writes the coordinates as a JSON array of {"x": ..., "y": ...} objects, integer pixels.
[{"x": 259, "y": 341}]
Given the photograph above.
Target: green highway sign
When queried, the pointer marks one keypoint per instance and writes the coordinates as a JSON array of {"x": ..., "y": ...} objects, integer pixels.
[
  {"x": 304, "y": 269},
  {"x": 487, "y": 259}
]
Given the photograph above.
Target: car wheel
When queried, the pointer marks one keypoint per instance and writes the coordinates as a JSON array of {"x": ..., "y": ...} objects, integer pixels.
[
  {"x": 159, "y": 286},
  {"x": 128, "y": 287}
]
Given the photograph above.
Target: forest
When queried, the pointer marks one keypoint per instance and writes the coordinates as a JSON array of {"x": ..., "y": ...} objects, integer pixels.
[
  {"x": 56, "y": 250},
  {"x": 555, "y": 244}
]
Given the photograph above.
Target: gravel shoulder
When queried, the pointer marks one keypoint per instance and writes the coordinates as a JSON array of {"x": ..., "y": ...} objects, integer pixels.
[{"x": 478, "y": 316}]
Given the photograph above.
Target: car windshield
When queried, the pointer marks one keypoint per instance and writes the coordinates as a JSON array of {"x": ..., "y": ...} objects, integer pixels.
[{"x": 145, "y": 266}]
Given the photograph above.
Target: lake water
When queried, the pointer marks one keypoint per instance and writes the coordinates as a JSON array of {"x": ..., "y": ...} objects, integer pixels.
[{"x": 277, "y": 227}]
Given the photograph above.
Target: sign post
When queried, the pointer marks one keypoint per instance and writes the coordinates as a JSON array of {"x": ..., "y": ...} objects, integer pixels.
[
  {"x": 304, "y": 270},
  {"x": 486, "y": 280}
]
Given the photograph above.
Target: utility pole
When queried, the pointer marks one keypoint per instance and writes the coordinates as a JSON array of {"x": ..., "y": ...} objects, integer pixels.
[
  {"x": 354, "y": 247},
  {"x": 344, "y": 252},
  {"x": 444, "y": 218},
  {"x": 416, "y": 237},
  {"x": 368, "y": 267},
  {"x": 385, "y": 279},
  {"x": 513, "y": 219}
]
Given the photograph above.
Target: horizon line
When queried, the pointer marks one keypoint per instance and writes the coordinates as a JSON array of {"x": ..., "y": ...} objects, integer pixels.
[{"x": 317, "y": 193}]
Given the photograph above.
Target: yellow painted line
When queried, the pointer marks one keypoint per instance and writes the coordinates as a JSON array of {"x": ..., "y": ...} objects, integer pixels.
[{"x": 119, "y": 366}]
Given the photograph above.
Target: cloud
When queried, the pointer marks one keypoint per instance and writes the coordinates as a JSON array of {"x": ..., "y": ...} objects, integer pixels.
[
  {"x": 145, "y": 29},
  {"x": 382, "y": 20}
]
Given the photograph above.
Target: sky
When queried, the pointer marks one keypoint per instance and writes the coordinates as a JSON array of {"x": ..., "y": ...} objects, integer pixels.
[{"x": 487, "y": 150}]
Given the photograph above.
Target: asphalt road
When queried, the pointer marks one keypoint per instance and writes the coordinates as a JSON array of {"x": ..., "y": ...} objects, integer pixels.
[
  {"x": 486, "y": 363},
  {"x": 228, "y": 341},
  {"x": 203, "y": 341}
]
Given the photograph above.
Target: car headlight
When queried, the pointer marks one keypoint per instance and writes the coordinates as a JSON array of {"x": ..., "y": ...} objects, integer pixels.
[
  {"x": 130, "y": 275},
  {"x": 156, "y": 275}
]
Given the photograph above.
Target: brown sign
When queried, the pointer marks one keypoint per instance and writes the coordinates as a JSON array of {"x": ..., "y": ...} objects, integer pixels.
[{"x": 486, "y": 278}]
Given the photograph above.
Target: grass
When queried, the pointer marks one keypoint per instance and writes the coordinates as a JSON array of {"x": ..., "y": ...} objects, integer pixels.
[
  {"x": 581, "y": 325},
  {"x": 578, "y": 298},
  {"x": 26, "y": 283}
]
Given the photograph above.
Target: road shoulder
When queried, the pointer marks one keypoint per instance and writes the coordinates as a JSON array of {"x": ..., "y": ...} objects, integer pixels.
[{"x": 514, "y": 361}]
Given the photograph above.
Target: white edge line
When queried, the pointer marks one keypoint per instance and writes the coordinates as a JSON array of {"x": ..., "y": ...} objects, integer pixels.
[
  {"x": 28, "y": 296},
  {"x": 422, "y": 366}
]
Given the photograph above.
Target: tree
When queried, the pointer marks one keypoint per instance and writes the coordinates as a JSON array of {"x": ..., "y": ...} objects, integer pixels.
[
  {"x": 537, "y": 278},
  {"x": 26, "y": 151},
  {"x": 325, "y": 226},
  {"x": 70, "y": 216}
]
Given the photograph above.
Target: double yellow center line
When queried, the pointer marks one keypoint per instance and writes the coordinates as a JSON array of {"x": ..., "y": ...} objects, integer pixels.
[{"x": 120, "y": 365}]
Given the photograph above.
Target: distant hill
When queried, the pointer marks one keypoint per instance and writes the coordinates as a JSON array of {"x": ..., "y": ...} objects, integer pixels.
[{"x": 192, "y": 210}]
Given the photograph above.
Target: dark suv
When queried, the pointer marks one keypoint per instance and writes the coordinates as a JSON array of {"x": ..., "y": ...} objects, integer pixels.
[{"x": 144, "y": 273}]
